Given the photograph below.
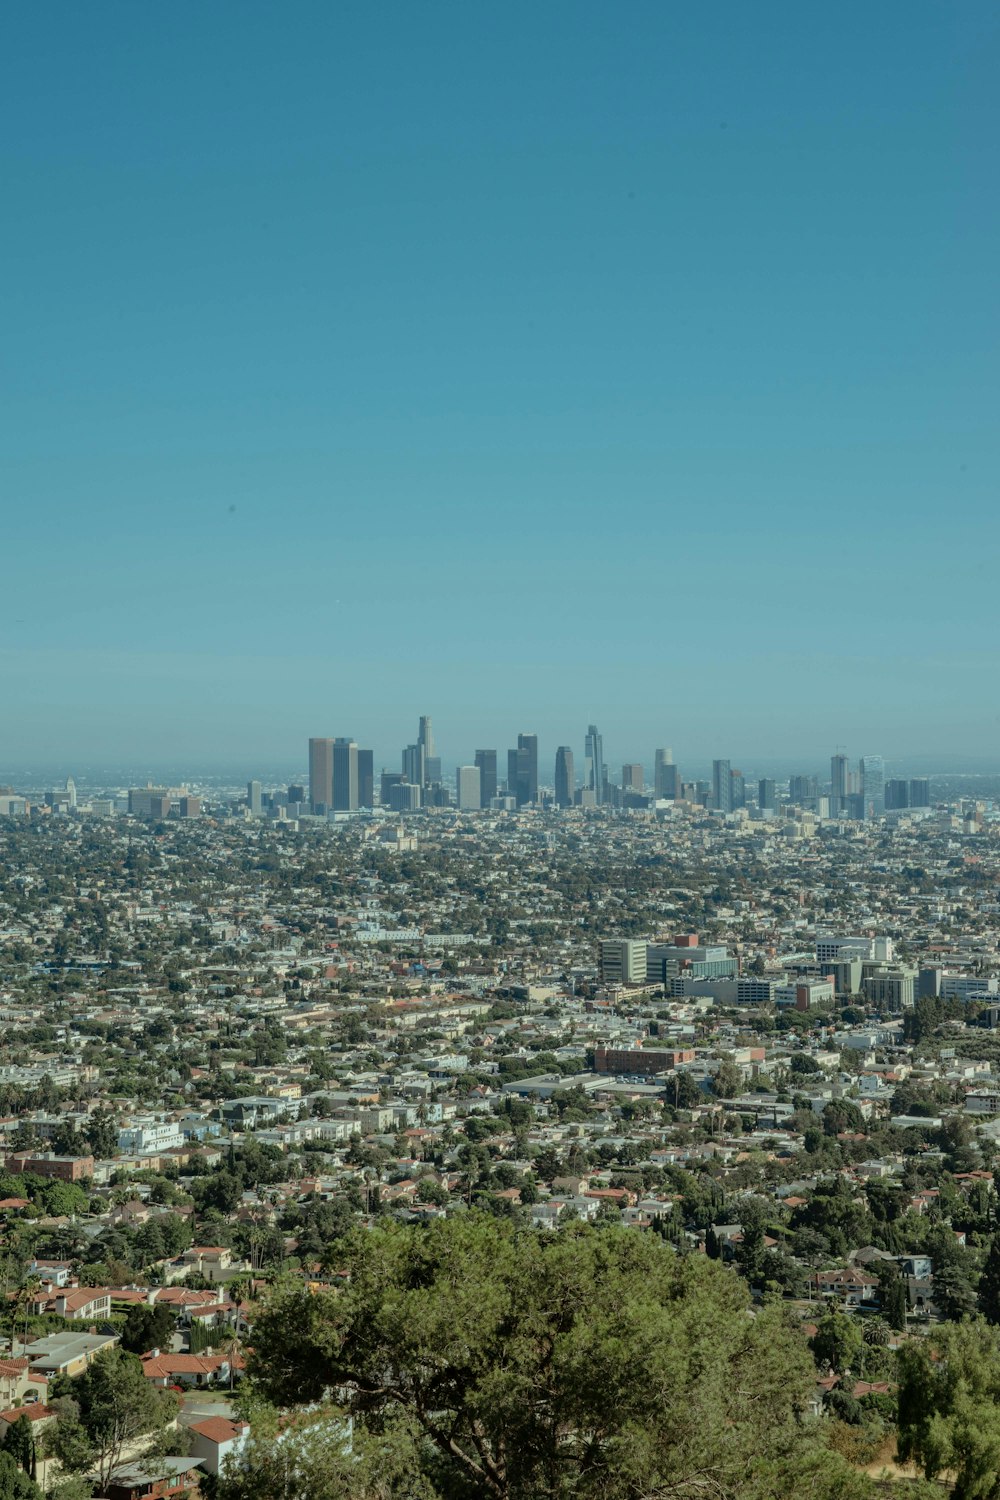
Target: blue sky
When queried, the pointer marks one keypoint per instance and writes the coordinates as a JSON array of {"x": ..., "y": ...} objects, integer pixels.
[{"x": 520, "y": 364}]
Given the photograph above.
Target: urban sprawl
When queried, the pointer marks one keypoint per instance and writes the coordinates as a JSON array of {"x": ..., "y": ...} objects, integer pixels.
[{"x": 755, "y": 1023}]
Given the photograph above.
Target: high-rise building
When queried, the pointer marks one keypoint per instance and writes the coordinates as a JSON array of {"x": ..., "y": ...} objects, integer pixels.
[
  {"x": 803, "y": 790},
  {"x": 366, "y": 778},
  {"x": 467, "y": 787},
  {"x": 432, "y": 761},
  {"x": 296, "y": 793},
  {"x": 767, "y": 794},
  {"x": 840, "y": 784},
  {"x": 522, "y": 770},
  {"x": 670, "y": 782},
  {"x": 388, "y": 780},
  {"x": 661, "y": 760},
  {"x": 565, "y": 777},
  {"x": 623, "y": 961},
  {"x": 486, "y": 760},
  {"x": 632, "y": 777},
  {"x": 873, "y": 785},
  {"x": 721, "y": 786},
  {"x": 413, "y": 764},
  {"x": 897, "y": 795},
  {"x": 594, "y": 753},
  {"x": 320, "y": 775},
  {"x": 737, "y": 791},
  {"x": 70, "y": 792},
  {"x": 253, "y": 798},
  {"x": 345, "y": 775},
  {"x": 405, "y": 796},
  {"x": 920, "y": 792}
]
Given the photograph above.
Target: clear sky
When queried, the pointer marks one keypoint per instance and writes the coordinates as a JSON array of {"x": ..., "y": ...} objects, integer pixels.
[{"x": 523, "y": 364}]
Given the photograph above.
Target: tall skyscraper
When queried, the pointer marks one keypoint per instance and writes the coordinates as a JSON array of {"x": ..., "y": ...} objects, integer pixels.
[
  {"x": 661, "y": 760},
  {"x": 345, "y": 775},
  {"x": 413, "y": 764},
  {"x": 722, "y": 786},
  {"x": 671, "y": 781},
  {"x": 873, "y": 785},
  {"x": 565, "y": 777},
  {"x": 522, "y": 770},
  {"x": 632, "y": 777},
  {"x": 920, "y": 792},
  {"x": 253, "y": 798},
  {"x": 803, "y": 790},
  {"x": 486, "y": 760},
  {"x": 467, "y": 787},
  {"x": 594, "y": 751},
  {"x": 432, "y": 761},
  {"x": 366, "y": 778},
  {"x": 737, "y": 791},
  {"x": 897, "y": 795},
  {"x": 840, "y": 784},
  {"x": 767, "y": 795},
  {"x": 320, "y": 775}
]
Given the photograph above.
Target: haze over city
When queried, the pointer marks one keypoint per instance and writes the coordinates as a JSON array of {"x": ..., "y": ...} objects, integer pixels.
[{"x": 527, "y": 365}]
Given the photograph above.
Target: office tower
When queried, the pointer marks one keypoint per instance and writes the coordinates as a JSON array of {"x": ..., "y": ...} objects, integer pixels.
[
  {"x": 366, "y": 778},
  {"x": 345, "y": 775},
  {"x": 320, "y": 775},
  {"x": 632, "y": 777},
  {"x": 432, "y": 761},
  {"x": 253, "y": 798},
  {"x": 522, "y": 770},
  {"x": 803, "y": 790},
  {"x": 405, "y": 796},
  {"x": 920, "y": 792},
  {"x": 512, "y": 774},
  {"x": 721, "y": 786},
  {"x": 70, "y": 792},
  {"x": 873, "y": 785},
  {"x": 467, "y": 787},
  {"x": 671, "y": 781},
  {"x": 767, "y": 794},
  {"x": 413, "y": 764},
  {"x": 737, "y": 791},
  {"x": 623, "y": 961},
  {"x": 388, "y": 780},
  {"x": 840, "y": 784},
  {"x": 661, "y": 760},
  {"x": 897, "y": 795},
  {"x": 296, "y": 793},
  {"x": 486, "y": 760},
  {"x": 565, "y": 777},
  {"x": 594, "y": 751}
]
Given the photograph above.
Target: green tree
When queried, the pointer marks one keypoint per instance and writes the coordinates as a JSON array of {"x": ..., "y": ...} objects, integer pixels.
[
  {"x": 593, "y": 1362},
  {"x": 15, "y": 1484},
  {"x": 148, "y": 1328},
  {"x": 837, "y": 1342},
  {"x": 989, "y": 1283},
  {"x": 949, "y": 1407},
  {"x": 892, "y": 1294},
  {"x": 19, "y": 1443},
  {"x": 118, "y": 1406}
]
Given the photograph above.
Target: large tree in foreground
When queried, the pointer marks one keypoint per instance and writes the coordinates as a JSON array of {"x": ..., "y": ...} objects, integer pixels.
[{"x": 591, "y": 1363}]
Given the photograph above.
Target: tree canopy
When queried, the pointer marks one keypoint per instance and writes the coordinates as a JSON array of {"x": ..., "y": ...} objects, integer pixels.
[{"x": 592, "y": 1363}]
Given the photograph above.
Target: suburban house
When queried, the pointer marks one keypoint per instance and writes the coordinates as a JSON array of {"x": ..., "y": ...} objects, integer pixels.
[
  {"x": 214, "y": 1439},
  {"x": 151, "y": 1479}
]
